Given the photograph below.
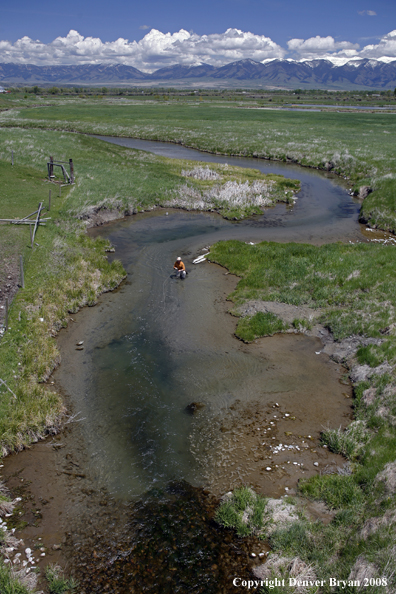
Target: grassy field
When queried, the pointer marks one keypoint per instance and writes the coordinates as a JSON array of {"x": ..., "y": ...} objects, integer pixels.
[
  {"x": 354, "y": 285},
  {"x": 358, "y": 146},
  {"x": 350, "y": 283},
  {"x": 367, "y": 99},
  {"x": 110, "y": 177}
]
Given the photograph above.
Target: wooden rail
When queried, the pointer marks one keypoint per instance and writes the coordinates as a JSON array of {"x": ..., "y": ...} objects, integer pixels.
[
  {"x": 40, "y": 207},
  {"x": 23, "y": 222}
]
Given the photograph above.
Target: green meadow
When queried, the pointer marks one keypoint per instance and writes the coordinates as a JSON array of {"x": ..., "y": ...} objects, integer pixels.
[{"x": 358, "y": 146}]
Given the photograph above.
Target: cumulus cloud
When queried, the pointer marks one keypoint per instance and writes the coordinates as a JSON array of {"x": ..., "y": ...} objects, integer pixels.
[
  {"x": 385, "y": 48},
  {"x": 154, "y": 51},
  {"x": 157, "y": 49},
  {"x": 320, "y": 47},
  {"x": 340, "y": 52}
]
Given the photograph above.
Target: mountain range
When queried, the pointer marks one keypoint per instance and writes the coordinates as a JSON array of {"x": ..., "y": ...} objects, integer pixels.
[{"x": 357, "y": 73}]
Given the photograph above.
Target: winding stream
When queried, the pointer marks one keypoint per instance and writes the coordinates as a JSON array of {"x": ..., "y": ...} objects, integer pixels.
[
  {"x": 323, "y": 213},
  {"x": 157, "y": 345}
]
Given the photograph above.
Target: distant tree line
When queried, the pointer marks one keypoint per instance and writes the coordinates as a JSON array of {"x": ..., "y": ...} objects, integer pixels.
[{"x": 169, "y": 93}]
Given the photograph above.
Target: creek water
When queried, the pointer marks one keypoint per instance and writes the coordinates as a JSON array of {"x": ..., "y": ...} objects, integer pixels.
[
  {"x": 324, "y": 212},
  {"x": 159, "y": 344}
]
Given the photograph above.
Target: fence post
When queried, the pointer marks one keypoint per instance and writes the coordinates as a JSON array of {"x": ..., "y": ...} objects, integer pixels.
[
  {"x": 22, "y": 275},
  {"x": 49, "y": 201},
  {"x": 6, "y": 315},
  {"x": 12, "y": 157},
  {"x": 51, "y": 167},
  {"x": 71, "y": 171},
  {"x": 31, "y": 236},
  {"x": 60, "y": 189}
]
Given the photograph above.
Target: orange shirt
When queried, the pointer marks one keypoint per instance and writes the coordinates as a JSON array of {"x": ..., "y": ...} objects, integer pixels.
[{"x": 179, "y": 265}]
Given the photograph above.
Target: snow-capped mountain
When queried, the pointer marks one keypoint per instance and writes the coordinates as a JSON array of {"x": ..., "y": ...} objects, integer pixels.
[{"x": 355, "y": 73}]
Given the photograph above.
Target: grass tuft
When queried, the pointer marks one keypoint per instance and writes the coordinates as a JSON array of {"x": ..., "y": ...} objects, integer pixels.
[
  {"x": 9, "y": 584},
  {"x": 261, "y": 324},
  {"x": 335, "y": 490},
  {"x": 243, "y": 511},
  {"x": 57, "y": 583},
  {"x": 348, "y": 442}
]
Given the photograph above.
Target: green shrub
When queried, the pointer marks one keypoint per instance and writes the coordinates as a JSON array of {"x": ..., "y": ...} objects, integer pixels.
[
  {"x": 292, "y": 540},
  {"x": 57, "y": 583},
  {"x": 369, "y": 355},
  {"x": 302, "y": 324}
]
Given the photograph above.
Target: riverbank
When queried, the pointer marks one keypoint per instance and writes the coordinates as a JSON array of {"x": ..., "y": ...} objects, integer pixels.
[
  {"x": 64, "y": 272},
  {"x": 349, "y": 285}
]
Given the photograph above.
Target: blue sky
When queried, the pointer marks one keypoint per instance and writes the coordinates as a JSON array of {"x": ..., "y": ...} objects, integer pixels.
[{"x": 357, "y": 23}]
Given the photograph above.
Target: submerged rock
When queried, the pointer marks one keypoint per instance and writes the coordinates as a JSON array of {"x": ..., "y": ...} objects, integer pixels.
[{"x": 194, "y": 407}]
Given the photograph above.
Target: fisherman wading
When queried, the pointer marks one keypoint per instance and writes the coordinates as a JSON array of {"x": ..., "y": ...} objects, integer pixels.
[{"x": 180, "y": 268}]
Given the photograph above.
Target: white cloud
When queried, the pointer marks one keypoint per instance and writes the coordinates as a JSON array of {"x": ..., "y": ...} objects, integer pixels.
[
  {"x": 368, "y": 12},
  {"x": 320, "y": 47},
  {"x": 385, "y": 48},
  {"x": 158, "y": 49},
  {"x": 144, "y": 27},
  {"x": 340, "y": 52},
  {"x": 154, "y": 51}
]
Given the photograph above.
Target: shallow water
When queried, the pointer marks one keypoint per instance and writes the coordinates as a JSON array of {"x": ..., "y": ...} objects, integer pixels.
[
  {"x": 367, "y": 107},
  {"x": 158, "y": 344}
]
